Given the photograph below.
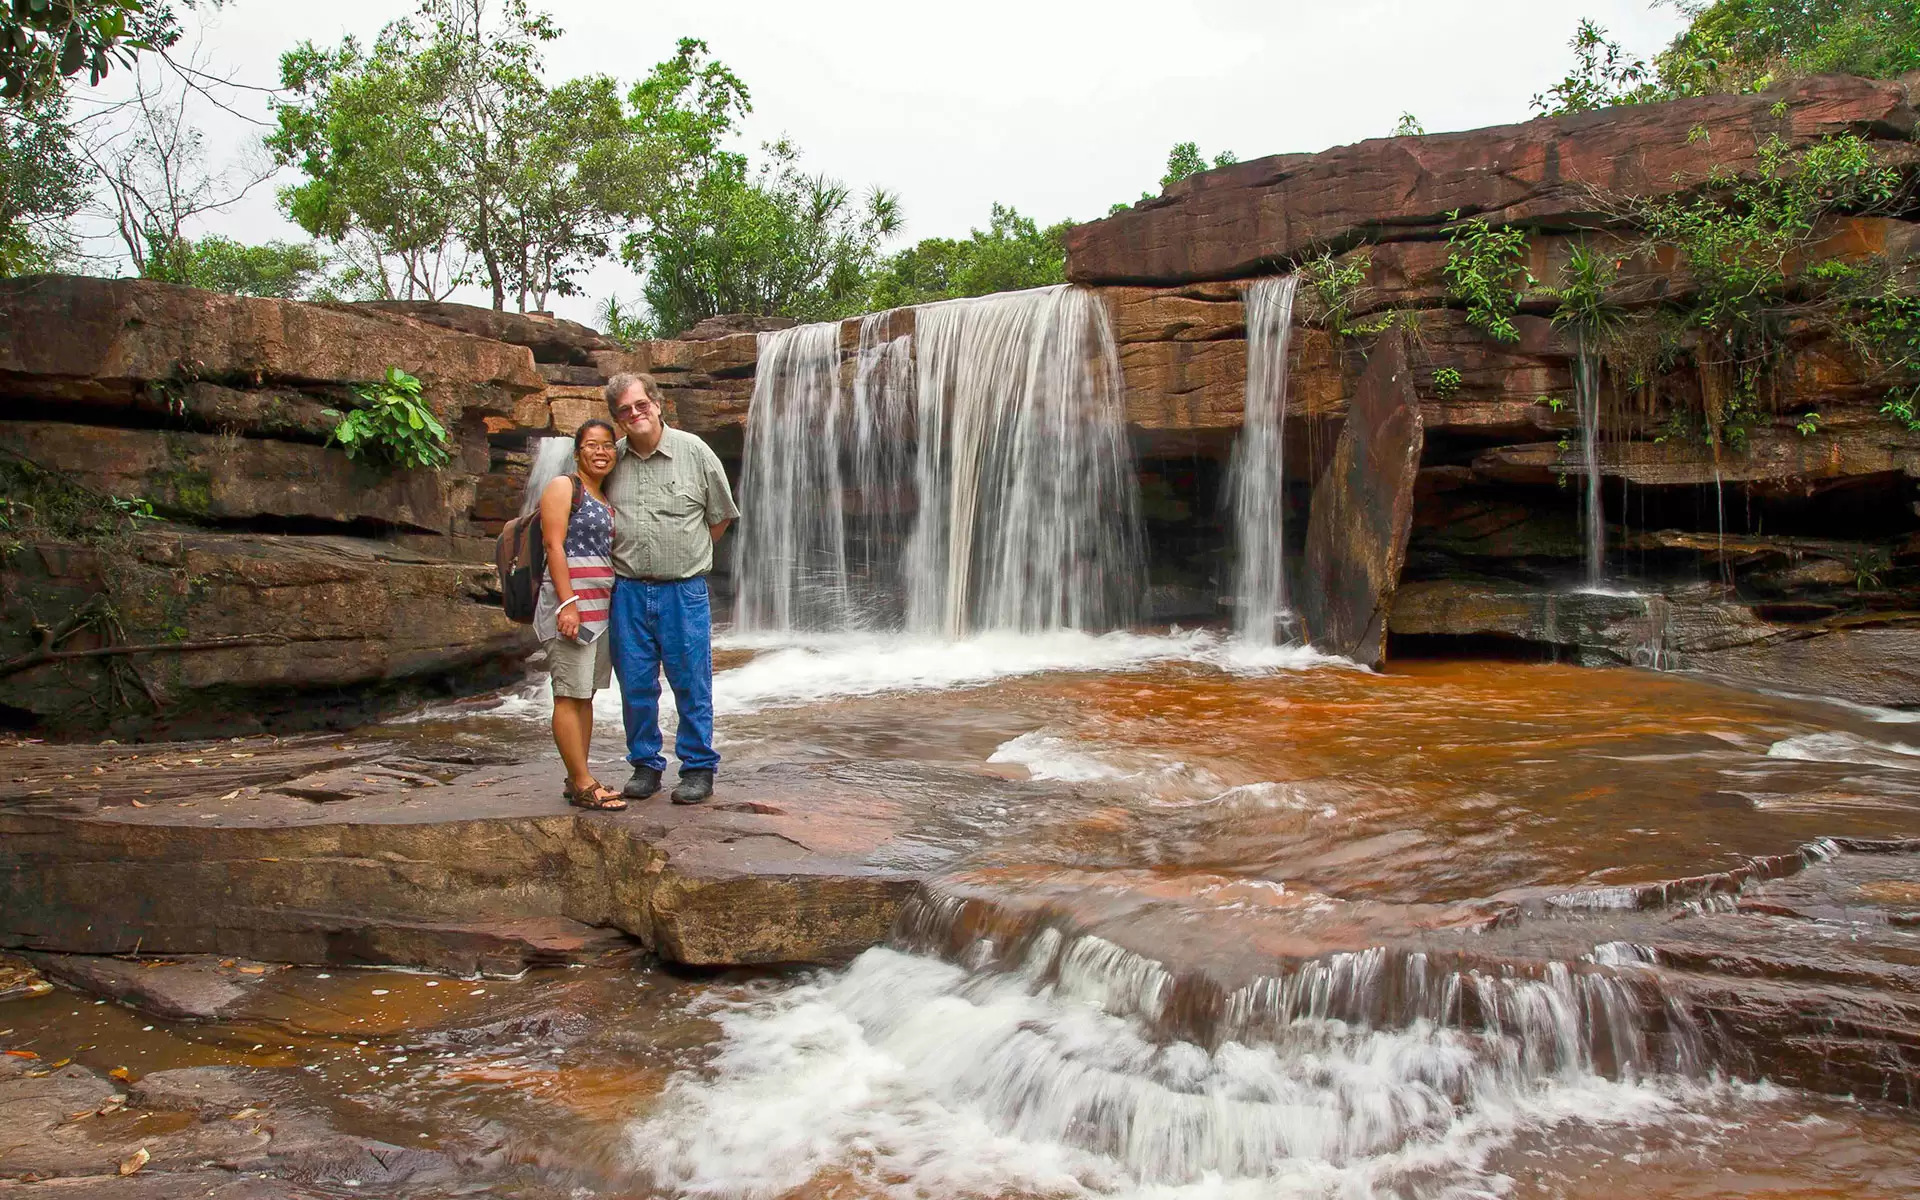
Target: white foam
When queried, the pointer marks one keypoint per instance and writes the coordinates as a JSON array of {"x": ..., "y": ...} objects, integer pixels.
[
  {"x": 912, "y": 1078},
  {"x": 1047, "y": 757},
  {"x": 1842, "y": 747}
]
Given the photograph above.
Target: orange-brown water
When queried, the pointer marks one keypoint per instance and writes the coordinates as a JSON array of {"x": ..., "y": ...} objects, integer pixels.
[{"x": 1219, "y": 822}]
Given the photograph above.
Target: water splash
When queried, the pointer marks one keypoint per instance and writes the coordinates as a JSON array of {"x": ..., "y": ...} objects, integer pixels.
[
  {"x": 1029, "y": 512},
  {"x": 1046, "y": 1071},
  {"x": 1257, "y": 473}
]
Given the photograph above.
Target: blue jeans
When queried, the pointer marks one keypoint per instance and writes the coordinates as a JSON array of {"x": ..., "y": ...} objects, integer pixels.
[{"x": 655, "y": 625}]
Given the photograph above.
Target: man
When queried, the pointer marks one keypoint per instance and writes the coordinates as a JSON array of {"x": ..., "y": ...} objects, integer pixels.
[{"x": 671, "y": 503}]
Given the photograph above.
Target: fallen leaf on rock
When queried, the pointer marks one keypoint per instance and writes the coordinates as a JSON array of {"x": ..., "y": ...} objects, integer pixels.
[
  {"x": 133, "y": 1162},
  {"x": 268, "y": 860},
  {"x": 82, "y": 1115},
  {"x": 114, "y": 1104},
  {"x": 63, "y": 1062},
  {"x": 21, "y": 1054},
  {"x": 253, "y": 970},
  {"x": 232, "y": 795},
  {"x": 226, "y": 962},
  {"x": 246, "y": 1114},
  {"x": 121, "y": 1073},
  {"x": 139, "y": 804}
]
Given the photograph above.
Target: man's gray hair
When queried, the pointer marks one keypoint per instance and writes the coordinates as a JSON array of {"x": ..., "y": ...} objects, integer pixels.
[{"x": 624, "y": 382}]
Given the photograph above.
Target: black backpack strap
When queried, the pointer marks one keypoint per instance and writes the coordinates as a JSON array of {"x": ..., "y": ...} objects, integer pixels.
[{"x": 576, "y": 493}]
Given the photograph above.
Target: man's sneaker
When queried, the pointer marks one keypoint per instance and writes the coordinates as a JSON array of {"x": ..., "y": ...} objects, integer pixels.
[
  {"x": 694, "y": 786},
  {"x": 645, "y": 782}
]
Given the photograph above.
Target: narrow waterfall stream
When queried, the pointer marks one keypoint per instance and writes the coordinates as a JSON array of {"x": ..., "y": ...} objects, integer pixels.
[
  {"x": 1257, "y": 472},
  {"x": 1593, "y": 515},
  {"x": 552, "y": 457}
]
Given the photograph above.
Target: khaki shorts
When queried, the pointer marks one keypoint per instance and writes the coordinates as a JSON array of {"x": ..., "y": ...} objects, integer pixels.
[{"x": 580, "y": 670}]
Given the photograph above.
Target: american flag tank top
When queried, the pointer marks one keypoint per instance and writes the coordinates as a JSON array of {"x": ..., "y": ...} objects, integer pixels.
[{"x": 589, "y": 547}]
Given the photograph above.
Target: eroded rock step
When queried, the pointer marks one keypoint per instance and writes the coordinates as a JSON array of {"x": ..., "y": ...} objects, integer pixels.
[{"x": 1802, "y": 968}]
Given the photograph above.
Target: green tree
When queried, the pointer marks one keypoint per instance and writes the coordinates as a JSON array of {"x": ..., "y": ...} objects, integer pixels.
[
  {"x": 442, "y": 155},
  {"x": 42, "y": 183},
  {"x": 1011, "y": 253},
  {"x": 289, "y": 270},
  {"x": 379, "y": 189},
  {"x": 1183, "y": 160},
  {"x": 767, "y": 241},
  {"x": 45, "y": 42}
]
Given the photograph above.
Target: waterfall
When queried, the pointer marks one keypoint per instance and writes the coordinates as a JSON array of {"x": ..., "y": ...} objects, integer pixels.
[
  {"x": 1029, "y": 513},
  {"x": 1593, "y": 516},
  {"x": 552, "y": 457},
  {"x": 793, "y": 552},
  {"x": 971, "y": 475},
  {"x": 1256, "y": 475}
]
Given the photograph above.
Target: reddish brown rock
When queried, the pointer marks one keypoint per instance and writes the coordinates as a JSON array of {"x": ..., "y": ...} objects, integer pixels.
[
  {"x": 552, "y": 339},
  {"x": 477, "y": 867},
  {"x": 1362, "y": 512},
  {"x": 355, "y": 624},
  {"x": 207, "y": 477},
  {"x": 1233, "y": 221},
  {"x": 73, "y": 340}
]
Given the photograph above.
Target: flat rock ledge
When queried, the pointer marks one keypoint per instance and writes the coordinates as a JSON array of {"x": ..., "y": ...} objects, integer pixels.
[{"x": 314, "y": 851}]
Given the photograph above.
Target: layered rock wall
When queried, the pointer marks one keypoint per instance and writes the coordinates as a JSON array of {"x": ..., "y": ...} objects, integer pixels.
[{"x": 170, "y": 488}]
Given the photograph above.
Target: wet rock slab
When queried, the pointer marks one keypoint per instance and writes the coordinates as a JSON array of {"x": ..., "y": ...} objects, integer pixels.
[
  {"x": 314, "y": 851},
  {"x": 219, "y": 1131}
]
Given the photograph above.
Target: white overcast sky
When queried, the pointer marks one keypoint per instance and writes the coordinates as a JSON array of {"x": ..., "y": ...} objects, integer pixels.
[{"x": 1059, "y": 109}]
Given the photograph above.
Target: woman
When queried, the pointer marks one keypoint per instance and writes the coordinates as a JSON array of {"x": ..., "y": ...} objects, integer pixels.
[{"x": 576, "y": 524}]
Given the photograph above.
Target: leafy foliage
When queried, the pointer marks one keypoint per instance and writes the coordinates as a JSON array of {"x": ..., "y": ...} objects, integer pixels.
[
  {"x": 1737, "y": 238},
  {"x": 42, "y": 183},
  {"x": 1747, "y": 45},
  {"x": 395, "y": 427},
  {"x": 1603, "y": 74},
  {"x": 289, "y": 270},
  {"x": 622, "y": 323},
  {"x": 1583, "y": 294},
  {"x": 43, "y": 42},
  {"x": 1486, "y": 271},
  {"x": 1446, "y": 381},
  {"x": 1408, "y": 126},
  {"x": 1013, "y": 252}
]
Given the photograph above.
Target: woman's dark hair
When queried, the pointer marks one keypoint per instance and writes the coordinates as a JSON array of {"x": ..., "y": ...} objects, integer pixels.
[{"x": 580, "y": 434}]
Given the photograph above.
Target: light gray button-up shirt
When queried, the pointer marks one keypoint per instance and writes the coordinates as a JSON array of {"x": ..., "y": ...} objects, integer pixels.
[{"x": 663, "y": 504}]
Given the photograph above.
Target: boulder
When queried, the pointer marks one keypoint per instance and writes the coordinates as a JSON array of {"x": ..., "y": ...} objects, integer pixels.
[
  {"x": 1362, "y": 512},
  {"x": 1237, "y": 221},
  {"x": 550, "y": 338},
  {"x": 356, "y": 626},
  {"x": 127, "y": 342},
  {"x": 207, "y": 477},
  {"x": 728, "y": 324}
]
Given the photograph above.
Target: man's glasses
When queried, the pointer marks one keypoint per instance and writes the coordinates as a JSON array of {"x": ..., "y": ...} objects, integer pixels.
[{"x": 642, "y": 406}]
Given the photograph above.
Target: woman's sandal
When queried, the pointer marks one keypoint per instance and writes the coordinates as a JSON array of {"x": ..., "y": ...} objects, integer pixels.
[{"x": 595, "y": 795}]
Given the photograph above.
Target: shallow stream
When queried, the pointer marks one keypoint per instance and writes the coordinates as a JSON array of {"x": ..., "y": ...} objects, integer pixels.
[{"x": 1204, "y": 922}]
